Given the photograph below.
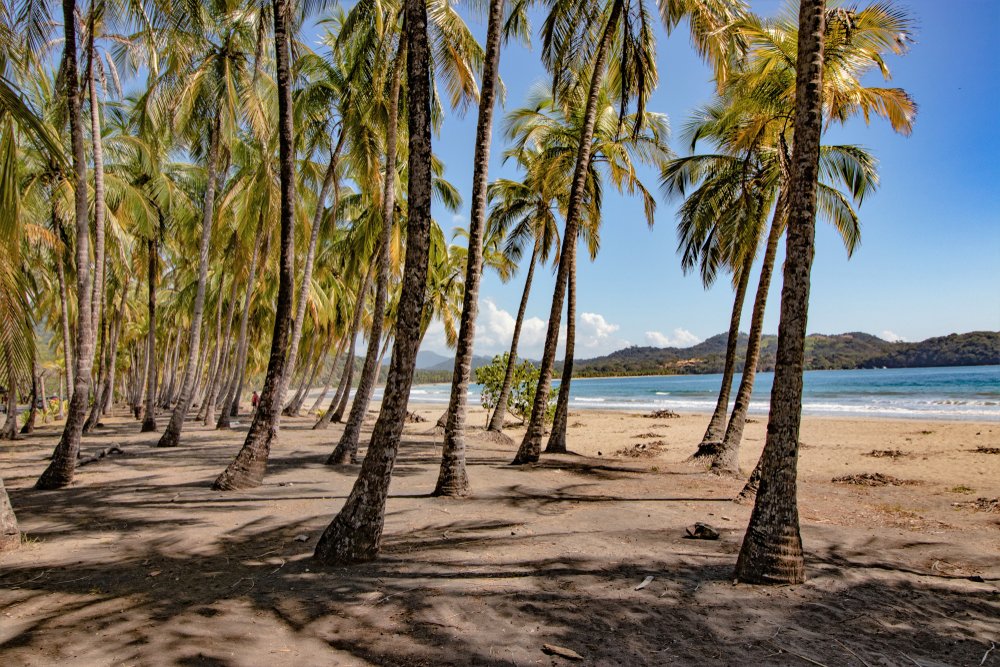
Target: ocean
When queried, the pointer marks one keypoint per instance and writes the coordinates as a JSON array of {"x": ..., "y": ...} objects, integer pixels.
[{"x": 965, "y": 393}]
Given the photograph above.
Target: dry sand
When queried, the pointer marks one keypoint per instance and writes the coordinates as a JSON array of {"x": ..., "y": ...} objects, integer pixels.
[{"x": 138, "y": 562}]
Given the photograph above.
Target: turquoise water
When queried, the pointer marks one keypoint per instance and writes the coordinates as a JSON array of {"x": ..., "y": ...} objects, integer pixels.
[{"x": 970, "y": 393}]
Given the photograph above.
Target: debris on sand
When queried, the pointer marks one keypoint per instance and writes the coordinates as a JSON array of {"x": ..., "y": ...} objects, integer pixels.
[
  {"x": 97, "y": 456},
  {"x": 887, "y": 454},
  {"x": 414, "y": 418},
  {"x": 981, "y": 505},
  {"x": 642, "y": 450},
  {"x": 986, "y": 450},
  {"x": 646, "y": 436},
  {"x": 662, "y": 414},
  {"x": 873, "y": 479},
  {"x": 561, "y": 651},
  {"x": 701, "y": 531}
]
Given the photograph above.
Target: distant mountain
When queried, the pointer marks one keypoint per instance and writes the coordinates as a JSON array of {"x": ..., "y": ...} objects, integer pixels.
[
  {"x": 429, "y": 360},
  {"x": 823, "y": 352},
  {"x": 448, "y": 363}
]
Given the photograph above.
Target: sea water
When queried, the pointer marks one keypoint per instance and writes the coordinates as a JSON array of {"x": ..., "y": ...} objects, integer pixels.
[{"x": 969, "y": 393}]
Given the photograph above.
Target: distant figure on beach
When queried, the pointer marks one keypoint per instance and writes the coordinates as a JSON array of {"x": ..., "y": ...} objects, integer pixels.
[{"x": 254, "y": 400}]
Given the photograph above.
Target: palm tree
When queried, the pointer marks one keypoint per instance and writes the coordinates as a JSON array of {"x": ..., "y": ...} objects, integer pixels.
[
  {"x": 575, "y": 34},
  {"x": 354, "y": 533},
  {"x": 247, "y": 469},
  {"x": 60, "y": 470},
  {"x": 452, "y": 477},
  {"x": 215, "y": 86},
  {"x": 752, "y": 125},
  {"x": 772, "y": 547}
]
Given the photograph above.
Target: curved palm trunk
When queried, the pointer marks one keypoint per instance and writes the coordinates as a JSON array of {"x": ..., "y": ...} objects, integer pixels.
[
  {"x": 452, "y": 477},
  {"x": 171, "y": 437},
  {"x": 247, "y": 469},
  {"x": 234, "y": 386},
  {"x": 772, "y": 547},
  {"x": 149, "y": 416},
  {"x": 97, "y": 146},
  {"x": 710, "y": 442},
  {"x": 64, "y": 312},
  {"x": 310, "y": 365},
  {"x": 531, "y": 444},
  {"x": 354, "y": 533},
  {"x": 95, "y": 382},
  {"x": 103, "y": 397},
  {"x": 301, "y": 398},
  {"x": 10, "y": 534},
  {"x": 9, "y": 429},
  {"x": 60, "y": 470},
  {"x": 347, "y": 448},
  {"x": 336, "y": 409},
  {"x": 169, "y": 370},
  {"x": 500, "y": 412},
  {"x": 727, "y": 457},
  {"x": 557, "y": 439},
  {"x": 341, "y": 344}
]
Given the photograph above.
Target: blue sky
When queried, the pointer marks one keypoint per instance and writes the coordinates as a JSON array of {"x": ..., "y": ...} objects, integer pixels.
[{"x": 929, "y": 261}]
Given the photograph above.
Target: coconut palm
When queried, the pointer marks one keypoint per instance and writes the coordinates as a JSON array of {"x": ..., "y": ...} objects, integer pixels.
[
  {"x": 354, "y": 533},
  {"x": 578, "y": 41}
]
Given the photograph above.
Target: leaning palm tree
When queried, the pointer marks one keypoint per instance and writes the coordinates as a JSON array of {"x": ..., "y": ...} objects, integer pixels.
[
  {"x": 247, "y": 469},
  {"x": 772, "y": 548},
  {"x": 216, "y": 85},
  {"x": 578, "y": 41},
  {"x": 452, "y": 477},
  {"x": 60, "y": 470},
  {"x": 355, "y": 532},
  {"x": 752, "y": 122}
]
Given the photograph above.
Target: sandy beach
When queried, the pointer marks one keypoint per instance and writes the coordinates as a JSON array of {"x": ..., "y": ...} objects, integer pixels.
[{"x": 139, "y": 562}]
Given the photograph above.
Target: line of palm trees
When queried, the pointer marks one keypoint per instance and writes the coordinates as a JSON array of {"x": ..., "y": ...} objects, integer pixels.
[{"x": 151, "y": 200}]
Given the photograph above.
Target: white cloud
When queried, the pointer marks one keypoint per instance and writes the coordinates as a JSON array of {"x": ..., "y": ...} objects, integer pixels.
[
  {"x": 594, "y": 331},
  {"x": 680, "y": 338},
  {"x": 892, "y": 337},
  {"x": 495, "y": 328}
]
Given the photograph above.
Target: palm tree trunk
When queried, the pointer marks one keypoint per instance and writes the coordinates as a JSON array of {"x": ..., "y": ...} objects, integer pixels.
[
  {"x": 347, "y": 448},
  {"x": 329, "y": 378},
  {"x": 500, "y": 411},
  {"x": 60, "y": 470},
  {"x": 64, "y": 312},
  {"x": 29, "y": 423},
  {"x": 317, "y": 365},
  {"x": 300, "y": 314},
  {"x": 308, "y": 373},
  {"x": 247, "y": 469},
  {"x": 9, "y": 429},
  {"x": 557, "y": 439},
  {"x": 452, "y": 477},
  {"x": 171, "y": 437},
  {"x": 103, "y": 397},
  {"x": 233, "y": 387},
  {"x": 10, "y": 534},
  {"x": 97, "y": 146},
  {"x": 95, "y": 382},
  {"x": 772, "y": 547},
  {"x": 354, "y": 533},
  {"x": 726, "y": 458},
  {"x": 711, "y": 441},
  {"x": 339, "y": 403},
  {"x": 531, "y": 444},
  {"x": 208, "y": 405}
]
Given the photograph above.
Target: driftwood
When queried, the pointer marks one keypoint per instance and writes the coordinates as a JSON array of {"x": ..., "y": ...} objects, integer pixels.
[
  {"x": 662, "y": 414},
  {"x": 561, "y": 651},
  {"x": 107, "y": 451}
]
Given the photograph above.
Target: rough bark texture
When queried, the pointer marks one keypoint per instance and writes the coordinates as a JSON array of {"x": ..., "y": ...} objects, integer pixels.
[
  {"x": 247, "y": 469},
  {"x": 171, "y": 436},
  {"x": 223, "y": 341},
  {"x": 727, "y": 455},
  {"x": 10, "y": 534},
  {"x": 9, "y": 429},
  {"x": 347, "y": 448},
  {"x": 64, "y": 312},
  {"x": 557, "y": 439},
  {"x": 60, "y": 470},
  {"x": 531, "y": 444},
  {"x": 500, "y": 412},
  {"x": 452, "y": 477},
  {"x": 97, "y": 148},
  {"x": 354, "y": 534},
  {"x": 29, "y": 423},
  {"x": 772, "y": 547},
  {"x": 717, "y": 424}
]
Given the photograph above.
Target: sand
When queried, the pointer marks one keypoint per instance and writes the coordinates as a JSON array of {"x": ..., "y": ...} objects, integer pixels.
[{"x": 139, "y": 562}]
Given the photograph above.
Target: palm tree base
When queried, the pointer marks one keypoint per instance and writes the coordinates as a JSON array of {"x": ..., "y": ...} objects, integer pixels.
[{"x": 148, "y": 425}]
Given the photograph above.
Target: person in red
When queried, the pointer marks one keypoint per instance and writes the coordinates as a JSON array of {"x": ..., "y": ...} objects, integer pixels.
[{"x": 254, "y": 400}]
